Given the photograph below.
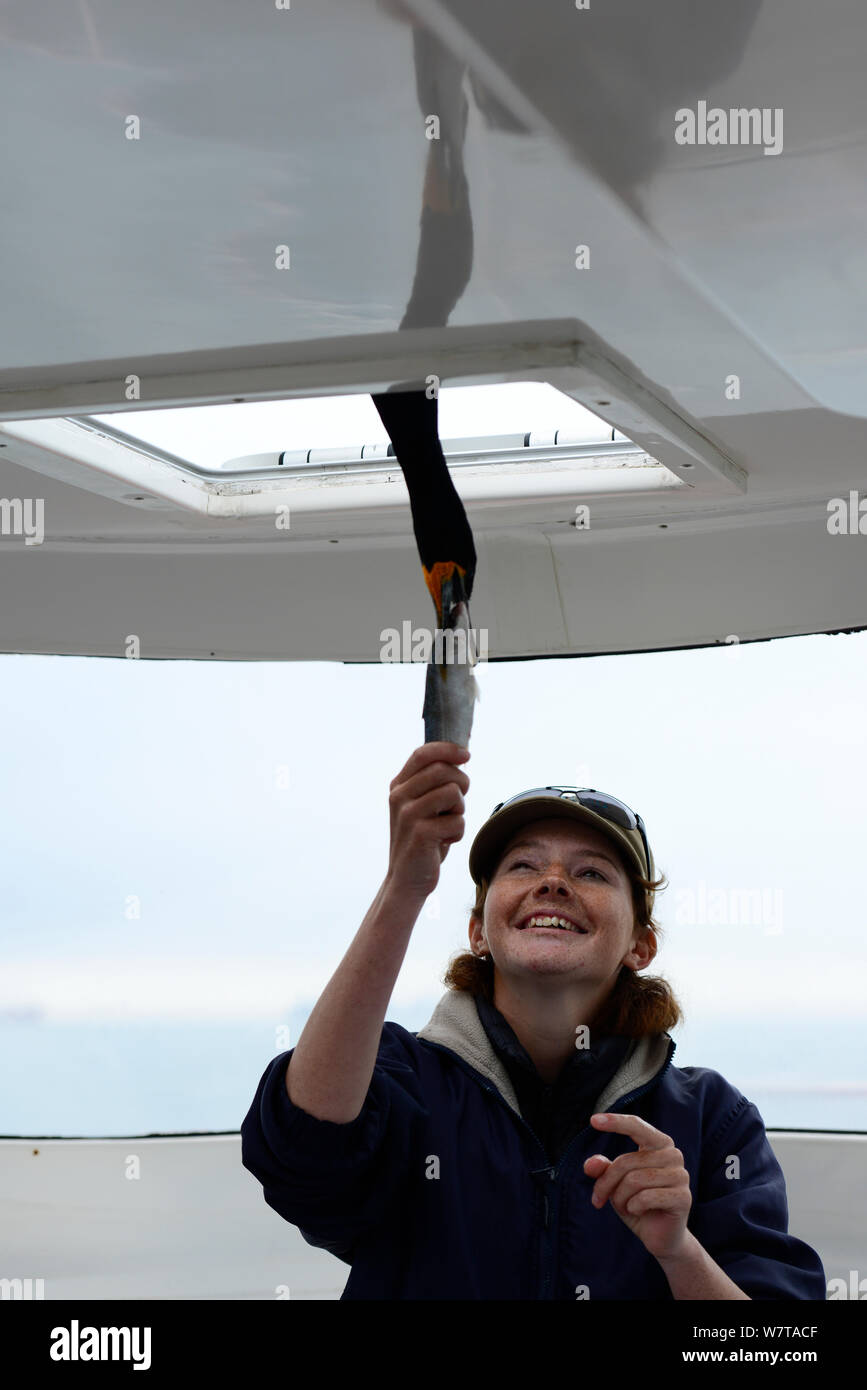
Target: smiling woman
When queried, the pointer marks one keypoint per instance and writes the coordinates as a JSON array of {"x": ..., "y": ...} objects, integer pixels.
[
  {"x": 635, "y": 1005},
  {"x": 533, "y": 1140}
]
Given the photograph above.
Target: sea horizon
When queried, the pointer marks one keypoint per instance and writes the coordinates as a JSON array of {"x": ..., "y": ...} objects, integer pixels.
[{"x": 144, "y": 1076}]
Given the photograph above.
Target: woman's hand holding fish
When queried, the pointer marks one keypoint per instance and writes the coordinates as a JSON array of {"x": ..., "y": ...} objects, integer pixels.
[{"x": 426, "y": 810}]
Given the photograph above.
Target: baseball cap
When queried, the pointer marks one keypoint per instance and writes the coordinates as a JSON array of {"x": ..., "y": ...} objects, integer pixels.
[{"x": 585, "y": 805}]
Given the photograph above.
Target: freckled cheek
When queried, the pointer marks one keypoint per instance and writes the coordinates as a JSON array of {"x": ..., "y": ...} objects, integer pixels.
[{"x": 500, "y": 911}]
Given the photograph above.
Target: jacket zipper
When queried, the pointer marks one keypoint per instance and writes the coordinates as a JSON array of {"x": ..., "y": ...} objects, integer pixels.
[{"x": 553, "y": 1173}]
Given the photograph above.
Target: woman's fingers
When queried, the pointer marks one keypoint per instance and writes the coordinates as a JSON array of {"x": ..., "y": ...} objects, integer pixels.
[
  {"x": 426, "y": 806},
  {"x": 440, "y": 762},
  {"x": 626, "y": 1175}
]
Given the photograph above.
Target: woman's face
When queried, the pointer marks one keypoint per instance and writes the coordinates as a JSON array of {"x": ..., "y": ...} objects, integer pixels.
[{"x": 560, "y": 868}]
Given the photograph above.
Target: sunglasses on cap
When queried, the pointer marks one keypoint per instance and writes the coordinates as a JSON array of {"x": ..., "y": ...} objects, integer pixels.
[{"x": 604, "y": 805}]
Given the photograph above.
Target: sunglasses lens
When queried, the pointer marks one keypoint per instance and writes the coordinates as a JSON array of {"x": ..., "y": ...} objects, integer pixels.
[{"x": 607, "y": 806}]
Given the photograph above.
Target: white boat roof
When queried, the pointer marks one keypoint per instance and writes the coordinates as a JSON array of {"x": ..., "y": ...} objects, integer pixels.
[{"x": 719, "y": 322}]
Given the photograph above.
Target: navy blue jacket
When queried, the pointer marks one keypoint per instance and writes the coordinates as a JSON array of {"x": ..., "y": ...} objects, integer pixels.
[{"x": 439, "y": 1188}]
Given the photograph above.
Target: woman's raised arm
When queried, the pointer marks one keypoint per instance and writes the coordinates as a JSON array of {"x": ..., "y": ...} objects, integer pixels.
[{"x": 331, "y": 1067}]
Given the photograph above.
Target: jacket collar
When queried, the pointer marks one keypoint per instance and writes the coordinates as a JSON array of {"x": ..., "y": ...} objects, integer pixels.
[{"x": 455, "y": 1024}]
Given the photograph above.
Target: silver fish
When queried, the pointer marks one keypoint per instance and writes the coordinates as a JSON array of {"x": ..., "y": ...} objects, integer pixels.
[{"x": 451, "y": 689}]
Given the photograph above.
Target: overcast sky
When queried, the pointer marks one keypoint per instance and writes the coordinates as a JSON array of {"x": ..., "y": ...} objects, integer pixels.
[{"x": 244, "y": 805}]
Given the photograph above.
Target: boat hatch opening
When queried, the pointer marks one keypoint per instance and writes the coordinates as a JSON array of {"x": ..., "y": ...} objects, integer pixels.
[{"x": 510, "y": 441}]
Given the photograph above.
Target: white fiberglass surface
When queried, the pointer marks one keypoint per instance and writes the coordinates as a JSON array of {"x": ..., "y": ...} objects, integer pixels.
[
  {"x": 191, "y": 846},
  {"x": 738, "y": 139}
]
